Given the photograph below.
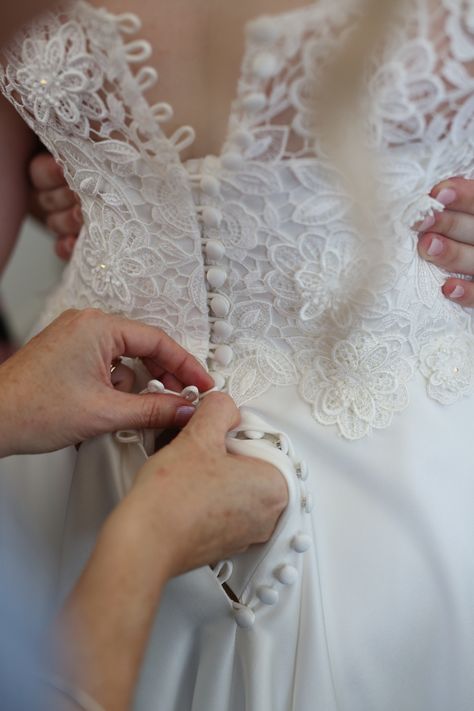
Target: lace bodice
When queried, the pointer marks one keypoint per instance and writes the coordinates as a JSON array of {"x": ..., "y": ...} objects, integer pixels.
[{"x": 249, "y": 258}]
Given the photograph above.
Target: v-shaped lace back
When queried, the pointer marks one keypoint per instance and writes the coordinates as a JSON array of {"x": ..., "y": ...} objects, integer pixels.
[{"x": 250, "y": 258}]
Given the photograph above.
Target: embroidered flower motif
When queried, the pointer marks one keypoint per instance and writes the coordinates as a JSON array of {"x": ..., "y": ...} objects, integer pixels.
[
  {"x": 359, "y": 385},
  {"x": 58, "y": 81},
  {"x": 405, "y": 90},
  {"x": 323, "y": 278},
  {"x": 117, "y": 261},
  {"x": 448, "y": 364}
]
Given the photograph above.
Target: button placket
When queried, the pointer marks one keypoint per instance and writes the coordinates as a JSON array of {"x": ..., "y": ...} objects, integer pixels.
[
  {"x": 276, "y": 581},
  {"x": 210, "y": 215}
]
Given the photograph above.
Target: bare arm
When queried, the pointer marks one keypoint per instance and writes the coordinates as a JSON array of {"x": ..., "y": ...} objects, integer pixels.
[{"x": 17, "y": 145}]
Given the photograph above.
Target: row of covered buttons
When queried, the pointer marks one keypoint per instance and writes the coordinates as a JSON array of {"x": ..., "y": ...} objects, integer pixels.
[
  {"x": 284, "y": 574},
  {"x": 216, "y": 276},
  {"x": 265, "y": 63},
  {"x": 268, "y": 594}
]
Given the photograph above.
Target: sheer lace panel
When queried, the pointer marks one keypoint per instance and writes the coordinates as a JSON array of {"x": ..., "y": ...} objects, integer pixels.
[{"x": 250, "y": 259}]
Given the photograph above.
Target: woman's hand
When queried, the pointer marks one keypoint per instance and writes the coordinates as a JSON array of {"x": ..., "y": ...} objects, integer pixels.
[
  {"x": 447, "y": 239},
  {"x": 220, "y": 502},
  {"x": 58, "y": 390},
  {"x": 193, "y": 504},
  {"x": 54, "y": 204}
]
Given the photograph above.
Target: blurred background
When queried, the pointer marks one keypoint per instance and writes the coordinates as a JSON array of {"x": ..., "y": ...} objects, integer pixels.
[{"x": 30, "y": 275}]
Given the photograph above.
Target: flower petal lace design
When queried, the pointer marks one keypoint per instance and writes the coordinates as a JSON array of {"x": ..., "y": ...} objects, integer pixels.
[{"x": 250, "y": 258}]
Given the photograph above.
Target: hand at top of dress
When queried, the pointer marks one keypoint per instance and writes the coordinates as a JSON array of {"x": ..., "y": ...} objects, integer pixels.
[
  {"x": 447, "y": 238},
  {"x": 59, "y": 390},
  {"x": 54, "y": 204}
]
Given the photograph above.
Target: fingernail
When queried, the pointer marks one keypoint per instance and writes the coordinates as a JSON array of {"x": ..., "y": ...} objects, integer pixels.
[
  {"x": 435, "y": 248},
  {"x": 77, "y": 213},
  {"x": 427, "y": 223},
  {"x": 457, "y": 292},
  {"x": 183, "y": 415},
  {"x": 446, "y": 196}
]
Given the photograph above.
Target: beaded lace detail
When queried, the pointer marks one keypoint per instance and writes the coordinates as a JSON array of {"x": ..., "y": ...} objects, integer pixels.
[{"x": 265, "y": 226}]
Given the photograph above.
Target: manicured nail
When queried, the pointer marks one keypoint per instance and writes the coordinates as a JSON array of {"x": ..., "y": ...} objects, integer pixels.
[
  {"x": 183, "y": 415},
  {"x": 435, "y": 248},
  {"x": 446, "y": 196},
  {"x": 457, "y": 292},
  {"x": 427, "y": 223},
  {"x": 77, "y": 214}
]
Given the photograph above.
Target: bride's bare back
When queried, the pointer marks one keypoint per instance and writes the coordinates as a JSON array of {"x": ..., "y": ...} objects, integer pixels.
[{"x": 197, "y": 50}]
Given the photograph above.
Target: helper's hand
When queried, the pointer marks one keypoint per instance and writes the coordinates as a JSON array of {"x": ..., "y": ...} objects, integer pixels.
[
  {"x": 58, "y": 390},
  {"x": 195, "y": 504},
  {"x": 53, "y": 203},
  {"x": 192, "y": 504},
  {"x": 447, "y": 239}
]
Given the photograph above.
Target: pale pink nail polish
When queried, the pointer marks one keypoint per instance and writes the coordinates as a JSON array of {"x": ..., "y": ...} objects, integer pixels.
[
  {"x": 446, "y": 196},
  {"x": 435, "y": 248},
  {"x": 457, "y": 292},
  {"x": 427, "y": 223}
]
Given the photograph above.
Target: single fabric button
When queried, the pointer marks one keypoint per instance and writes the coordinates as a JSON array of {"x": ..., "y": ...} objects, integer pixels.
[
  {"x": 219, "y": 380},
  {"x": 302, "y": 471},
  {"x": 253, "y": 434},
  {"x": 216, "y": 277},
  {"x": 155, "y": 386},
  {"x": 243, "y": 138},
  {"x": 220, "y": 306},
  {"x": 254, "y": 102},
  {"x": 214, "y": 249},
  {"x": 263, "y": 30},
  {"x": 244, "y": 617},
  {"x": 283, "y": 444},
  {"x": 222, "y": 329},
  {"x": 267, "y": 595},
  {"x": 210, "y": 185},
  {"x": 231, "y": 161},
  {"x": 265, "y": 65},
  {"x": 211, "y": 216},
  {"x": 286, "y": 575},
  {"x": 190, "y": 393},
  {"x": 301, "y": 543},
  {"x": 224, "y": 355},
  {"x": 308, "y": 503}
]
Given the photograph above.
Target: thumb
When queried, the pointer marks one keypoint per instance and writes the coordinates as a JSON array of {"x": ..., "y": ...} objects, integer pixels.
[
  {"x": 151, "y": 411},
  {"x": 215, "y": 417}
]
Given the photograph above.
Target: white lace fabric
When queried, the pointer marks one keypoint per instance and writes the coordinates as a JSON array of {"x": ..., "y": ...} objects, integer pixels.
[{"x": 305, "y": 306}]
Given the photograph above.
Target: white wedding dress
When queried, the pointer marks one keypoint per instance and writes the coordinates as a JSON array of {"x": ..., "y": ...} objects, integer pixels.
[{"x": 359, "y": 375}]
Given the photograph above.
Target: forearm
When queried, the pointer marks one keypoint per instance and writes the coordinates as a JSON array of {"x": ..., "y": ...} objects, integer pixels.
[{"x": 103, "y": 629}]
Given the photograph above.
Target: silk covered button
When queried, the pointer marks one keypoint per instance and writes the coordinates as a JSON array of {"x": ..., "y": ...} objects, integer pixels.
[
  {"x": 301, "y": 543},
  {"x": 224, "y": 355},
  {"x": 214, "y": 249},
  {"x": 220, "y": 306},
  {"x": 254, "y": 102},
  {"x": 263, "y": 30},
  {"x": 231, "y": 161},
  {"x": 253, "y": 434},
  {"x": 222, "y": 329},
  {"x": 211, "y": 216},
  {"x": 244, "y": 617},
  {"x": 265, "y": 65},
  {"x": 302, "y": 470},
  {"x": 210, "y": 186},
  {"x": 219, "y": 380},
  {"x": 216, "y": 277},
  {"x": 267, "y": 595},
  {"x": 243, "y": 138},
  {"x": 286, "y": 575}
]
